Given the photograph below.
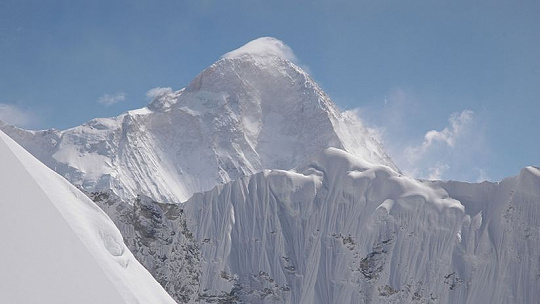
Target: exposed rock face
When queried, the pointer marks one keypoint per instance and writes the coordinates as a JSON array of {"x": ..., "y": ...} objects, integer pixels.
[{"x": 158, "y": 236}]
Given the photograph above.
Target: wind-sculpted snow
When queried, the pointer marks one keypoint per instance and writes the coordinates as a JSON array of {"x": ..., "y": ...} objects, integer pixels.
[
  {"x": 338, "y": 226},
  {"x": 57, "y": 245},
  {"x": 251, "y": 110},
  {"x": 338, "y": 230},
  {"x": 264, "y": 48},
  {"x": 341, "y": 230},
  {"x": 500, "y": 238}
]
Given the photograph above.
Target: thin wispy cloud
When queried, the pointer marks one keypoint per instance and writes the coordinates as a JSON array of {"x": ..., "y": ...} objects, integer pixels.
[
  {"x": 264, "y": 46},
  {"x": 437, "y": 171},
  {"x": 455, "y": 151},
  {"x": 445, "y": 138},
  {"x": 108, "y": 100},
  {"x": 158, "y": 91},
  {"x": 392, "y": 117},
  {"x": 482, "y": 176},
  {"x": 449, "y": 135},
  {"x": 17, "y": 116}
]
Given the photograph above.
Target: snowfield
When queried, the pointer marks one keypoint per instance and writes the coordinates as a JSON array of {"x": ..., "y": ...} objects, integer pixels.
[{"x": 57, "y": 245}]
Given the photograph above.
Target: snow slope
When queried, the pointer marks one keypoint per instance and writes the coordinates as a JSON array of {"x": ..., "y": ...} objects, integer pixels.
[
  {"x": 328, "y": 225},
  {"x": 57, "y": 245},
  {"x": 253, "y": 109},
  {"x": 341, "y": 230},
  {"x": 338, "y": 229}
]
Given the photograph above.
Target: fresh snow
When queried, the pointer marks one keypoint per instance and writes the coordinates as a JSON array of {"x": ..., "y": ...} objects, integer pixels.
[
  {"x": 341, "y": 230},
  {"x": 338, "y": 229},
  {"x": 286, "y": 199},
  {"x": 252, "y": 110},
  {"x": 57, "y": 245},
  {"x": 264, "y": 47}
]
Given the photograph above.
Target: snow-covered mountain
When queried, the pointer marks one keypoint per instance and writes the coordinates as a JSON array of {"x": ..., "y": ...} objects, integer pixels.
[
  {"x": 341, "y": 230},
  {"x": 57, "y": 246},
  {"x": 338, "y": 229},
  {"x": 289, "y": 200},
  {"x": 251, "y": 110}
]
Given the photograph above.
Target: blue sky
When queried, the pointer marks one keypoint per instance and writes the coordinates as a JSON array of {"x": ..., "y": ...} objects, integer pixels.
[{"x": 468, "y": 71}]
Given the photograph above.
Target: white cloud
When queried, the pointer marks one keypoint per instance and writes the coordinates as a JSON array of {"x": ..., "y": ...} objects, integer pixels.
[
  {"x": 456, "y": 151},
  {"x": 16, "y": 116},
  {"x": 447, "y": 137},
  {"x": 482, "y": 176},
  {"x": 437, "y": 171},
  {"x": 109, "y": 100},
  {"x": 264, "y": 47},
  {"x": 158, "y": 91}
]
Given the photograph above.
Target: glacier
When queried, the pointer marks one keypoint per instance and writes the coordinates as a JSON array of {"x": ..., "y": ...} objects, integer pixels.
[{"x": 57, "y": 245}]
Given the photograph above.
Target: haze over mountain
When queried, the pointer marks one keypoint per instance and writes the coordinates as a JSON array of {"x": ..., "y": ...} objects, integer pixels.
[{"x": 250, "y": 186}]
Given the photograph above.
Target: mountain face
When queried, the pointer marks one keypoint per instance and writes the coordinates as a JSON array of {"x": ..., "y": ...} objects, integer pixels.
[
  {"x": 251, "y": 110},
  {"x": 288, "y": 200},
  {"x": 338, "y": 229},
  {"x": 57, "y": 245}
]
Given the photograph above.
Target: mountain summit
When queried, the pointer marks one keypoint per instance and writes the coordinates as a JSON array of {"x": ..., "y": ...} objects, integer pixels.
[
  {"x": 263, "y": 47},
  {"x": 253, "y": 109}
]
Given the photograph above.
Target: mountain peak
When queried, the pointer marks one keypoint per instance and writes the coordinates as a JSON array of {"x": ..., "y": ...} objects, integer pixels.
[
  {"x": 263, "y": 47},
  {"x": 251, "y": 110}
]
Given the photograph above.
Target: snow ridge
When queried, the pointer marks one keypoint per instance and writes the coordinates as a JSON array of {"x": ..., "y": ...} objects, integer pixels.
[
  {"x": 334, "y": 221},
  {"x": 263, "y": 47},
  {"x": 239, "y": 116},
  {"x": 341, "y": 230},
  {"x": 59, "y": 246}
]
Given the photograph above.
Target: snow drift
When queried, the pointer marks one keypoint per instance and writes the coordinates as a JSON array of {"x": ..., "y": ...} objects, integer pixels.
[
  {"x": 341, "y": 230},
  {"x": 57, "y": 245}
]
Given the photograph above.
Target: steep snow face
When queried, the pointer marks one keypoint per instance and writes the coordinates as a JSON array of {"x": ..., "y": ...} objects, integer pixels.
[
  {"x": 253, "y": 109},
  {"x": 342, "y": 230},
  {"x": 57, "y": 245},
  {"x": 500, "y": 238}
]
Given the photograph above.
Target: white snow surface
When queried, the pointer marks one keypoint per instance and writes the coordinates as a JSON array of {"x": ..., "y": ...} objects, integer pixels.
[
  {"x": 345, "y": 226},
  {"x": 252, "y": 110},
  {"x": 341, "y": 230},
  {"x": 264, "y": 47},
  {"x": 57, "y": 245}
]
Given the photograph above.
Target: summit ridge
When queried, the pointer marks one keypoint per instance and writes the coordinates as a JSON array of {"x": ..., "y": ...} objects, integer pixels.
[{"x": 237, "y": 117}]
